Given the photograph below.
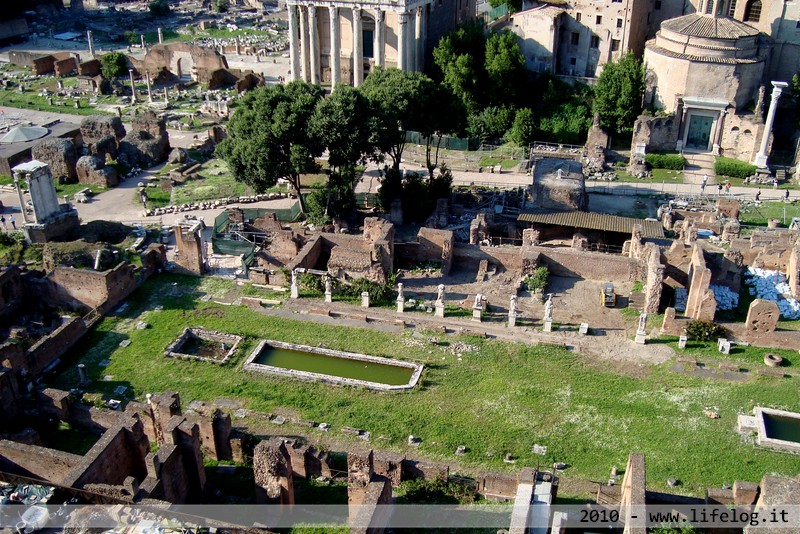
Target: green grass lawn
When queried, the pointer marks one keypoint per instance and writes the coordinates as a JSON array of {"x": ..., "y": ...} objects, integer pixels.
[
  {"x": 71, "y": 189},
  {"x": 500, "y": 399},
  {"x": 659, "y": 176},
  {"x": 757, "y": 215},
  {"x": 212, "y": 181}
]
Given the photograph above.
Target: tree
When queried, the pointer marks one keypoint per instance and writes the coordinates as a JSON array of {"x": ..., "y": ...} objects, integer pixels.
[
  {"x": 113, "y": 64},
  {"x": 490, "y": 124},
  {"x": 159, "y": 8},
  {"x": 341, "y": 124},
  {"x": 268, "y": 136},
  {"x": 395, "y": 108},
  {"x": 221, "y": 6},
  {"x": 443, "y": 114},
  {"x": 523, "y": 131},
  {"x": 619, "y": 92},
  {"x": 505, "y": 65},
  {"x": 538, "y": 280},
  {"x": 460, "y": 58}
]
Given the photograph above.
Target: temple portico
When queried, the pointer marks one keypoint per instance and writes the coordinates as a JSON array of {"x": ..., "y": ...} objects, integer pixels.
[{"x": 339, "y": 42}]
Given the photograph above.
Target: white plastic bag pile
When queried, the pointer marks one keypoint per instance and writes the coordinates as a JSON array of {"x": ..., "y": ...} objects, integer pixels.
[
  {"x": 726, "y": 299},
  {"x": 771, "y": 285}
]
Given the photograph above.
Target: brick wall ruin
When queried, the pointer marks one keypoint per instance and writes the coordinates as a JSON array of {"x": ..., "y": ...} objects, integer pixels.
[
  {"x": 82, "y": 288},
  {"x": 658, "y": 134},
  {"x": 272, "y": 468},
  {"x": 701, "y": 303}
]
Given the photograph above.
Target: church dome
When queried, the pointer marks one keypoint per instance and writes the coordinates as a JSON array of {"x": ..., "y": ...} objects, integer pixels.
[
  {"x": 708, "y": 39},
  {"x": 708, "y": 26}
]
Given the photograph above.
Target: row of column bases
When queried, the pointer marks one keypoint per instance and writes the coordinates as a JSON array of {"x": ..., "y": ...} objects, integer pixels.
[{"x": 304, "y": 49}]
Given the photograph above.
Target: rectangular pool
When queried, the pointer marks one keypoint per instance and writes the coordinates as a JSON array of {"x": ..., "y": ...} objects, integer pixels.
[{"x": 336, "y": 367}]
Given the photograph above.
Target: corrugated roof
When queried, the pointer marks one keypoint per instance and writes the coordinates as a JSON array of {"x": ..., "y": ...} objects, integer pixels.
[
  {"x": 593, "y": 221},
  {"x": 709, "y": 26}
]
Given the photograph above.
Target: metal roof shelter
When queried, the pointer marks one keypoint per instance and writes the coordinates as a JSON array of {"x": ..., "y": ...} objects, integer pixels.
[
  {"x": 24, "y": 133},
  {"x": 593, "y": 221}
]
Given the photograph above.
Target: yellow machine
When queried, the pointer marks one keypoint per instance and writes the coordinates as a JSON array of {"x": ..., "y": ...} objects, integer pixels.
[{"x": 607, "y": 295}]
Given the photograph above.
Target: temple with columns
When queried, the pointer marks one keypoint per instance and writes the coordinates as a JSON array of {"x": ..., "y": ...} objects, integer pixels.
[{"x": 339, "y": 42}]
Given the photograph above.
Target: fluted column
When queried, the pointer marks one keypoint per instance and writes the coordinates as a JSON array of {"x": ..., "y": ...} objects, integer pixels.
[
  {"x": 378, "y": 46},
  {"x": 761, "y": 157},
  {"x": 417, "y": 44},
  {"x": 336, "y": 70},
  {"x": 304, "y": 44},
  {"x": 358, "y": 49},
  {"x": 313, "y": 44},
  {"x": 294, "y": 53},
  {"x": 423, "y": 38},
  {"x": 402, "y": 24}
]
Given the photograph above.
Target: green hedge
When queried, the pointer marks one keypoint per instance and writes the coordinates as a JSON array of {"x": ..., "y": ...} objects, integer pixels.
[
  {"x": 733, "y": 167},
  {"x": 675, "y": 162}
]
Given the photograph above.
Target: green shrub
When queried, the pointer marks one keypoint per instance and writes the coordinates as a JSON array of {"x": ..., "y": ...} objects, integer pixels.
[
  {"x": 675, "y": 162},
  {"x": 378, "y": 293},
  {"x": 733, "y": 167},
  {"x": 538, "y": 280},
  {"x": 705, "y": 330}
]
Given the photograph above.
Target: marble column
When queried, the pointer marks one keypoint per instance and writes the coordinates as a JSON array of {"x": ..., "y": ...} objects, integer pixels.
[
  {"x": 761, "y": 157},
  {"x": 294, "y": 56},
  {"x": 313, "y": 44},
  {"x": 423, "y": 38},
  {"x": 336, "y": 55},
  {"x": 149, "y": 89},
  {"x": 715, "y": 147},
  {"x": 378, "y": 46},
  {"x": 90, "y": 38},
  {"x": 402, "y": 24},
  {"x": 304, "y": 45},
  {"x": 358, "y": 49},
  {"x": 417, "y": 45},
  {"x": 133, "y": 87}
]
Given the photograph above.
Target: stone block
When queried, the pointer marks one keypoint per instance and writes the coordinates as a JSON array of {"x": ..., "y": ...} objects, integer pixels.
[
  {"x": 682, "y": 342},
  {"x": 584, "y": 329},
  {"x": 762, "y": 316},
  {"x": 745, "y": 493},
  {"x": 60, "y": 155}
]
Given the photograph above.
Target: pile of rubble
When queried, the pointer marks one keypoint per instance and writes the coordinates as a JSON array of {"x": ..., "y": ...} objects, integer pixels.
[
  {"x": 726, "y": 298},
  {"x": 771, "y": 285},
  {"x": 213, "y": 204}
]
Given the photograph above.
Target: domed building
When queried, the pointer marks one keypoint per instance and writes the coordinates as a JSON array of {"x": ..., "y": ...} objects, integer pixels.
[{"x": 706, "y": 69}]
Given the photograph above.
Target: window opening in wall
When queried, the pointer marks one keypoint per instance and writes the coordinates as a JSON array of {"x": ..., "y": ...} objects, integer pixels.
[
  {"x": 732, "y": 8},
  {"x": 614, "y": 45},
  {"x": 578, "y": 17},
  {"x": 576, "y": 38},
  {"x": 658, "y": 4},
  {"x": 595, "y": 41},
  {"x": 752, "y": 12},
  {"x": 619, "y": 23},
  {"x": 599, "y": 19}
]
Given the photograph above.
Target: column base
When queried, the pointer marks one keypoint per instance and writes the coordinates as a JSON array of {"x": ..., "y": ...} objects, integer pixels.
[{"x": 760, "y": 161}]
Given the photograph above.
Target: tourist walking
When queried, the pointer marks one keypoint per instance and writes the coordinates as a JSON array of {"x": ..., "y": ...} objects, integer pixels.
[
  {"x": 758, "y": 195},
  {"x": 3, "y": 222},
  {"x": 13, "y": 222},
  {"x": 719, "y": 190},
  {"x": 775, "y": 183},
  {"x": 728, "y": 188},
  {"x": 786, "y": 196},
  {"x": 703, "y": 184}
]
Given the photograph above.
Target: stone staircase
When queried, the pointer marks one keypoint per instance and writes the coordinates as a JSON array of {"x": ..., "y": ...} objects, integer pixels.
[{"x": 697, "y": 166}]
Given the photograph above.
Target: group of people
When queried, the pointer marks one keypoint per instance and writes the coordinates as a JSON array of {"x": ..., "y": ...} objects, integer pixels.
[
  {"x": 727, "y": 187},
  {"x": 11, "y": 220}
]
